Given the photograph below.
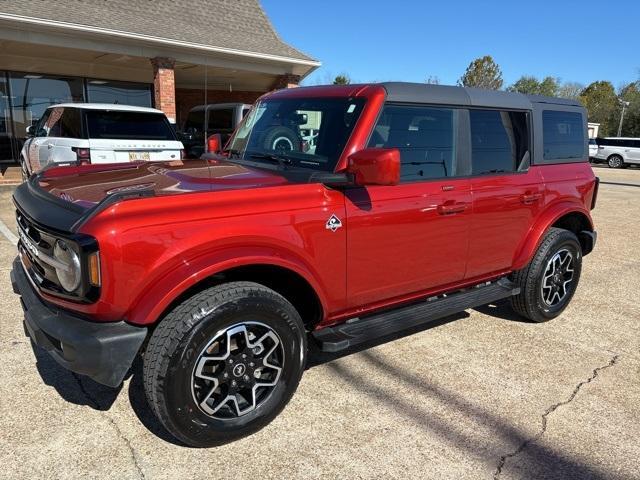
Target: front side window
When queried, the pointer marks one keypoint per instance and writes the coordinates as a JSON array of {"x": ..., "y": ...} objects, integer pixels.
[
  {"x": 563, "y": 135},
  {"x": 302, "y": 132},
  {"x": 499, "y": 141},
  {"x": 114, "y": 124},
  {"x": 424, "y": 136}
]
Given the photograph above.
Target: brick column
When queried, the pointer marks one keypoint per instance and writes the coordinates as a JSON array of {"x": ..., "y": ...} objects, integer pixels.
[
  {"x": 164, "y": 85},
  {"x": 286, "y": 81}
]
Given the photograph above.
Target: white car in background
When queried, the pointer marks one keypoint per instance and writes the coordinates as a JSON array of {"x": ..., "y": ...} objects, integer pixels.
[
  {"x": 618, "y": 152},
  {"x": 95, "y": 133}
]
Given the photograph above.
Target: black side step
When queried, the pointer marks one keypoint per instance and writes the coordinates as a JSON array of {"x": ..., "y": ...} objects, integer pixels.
[{"x": 360, "y": 330}]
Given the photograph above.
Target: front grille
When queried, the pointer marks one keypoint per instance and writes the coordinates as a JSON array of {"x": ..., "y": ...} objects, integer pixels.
[{"x": 35, "y": 241}]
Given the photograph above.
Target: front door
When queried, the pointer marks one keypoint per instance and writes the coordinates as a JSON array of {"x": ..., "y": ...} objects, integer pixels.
[{"x": 412, "y": 237}]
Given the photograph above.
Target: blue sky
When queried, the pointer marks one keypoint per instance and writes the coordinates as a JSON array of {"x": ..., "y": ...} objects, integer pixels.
[{"x": 411, "y": 40}]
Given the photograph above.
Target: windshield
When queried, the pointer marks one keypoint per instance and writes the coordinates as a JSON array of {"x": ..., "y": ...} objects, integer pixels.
[{"x": 305, "y": 132}]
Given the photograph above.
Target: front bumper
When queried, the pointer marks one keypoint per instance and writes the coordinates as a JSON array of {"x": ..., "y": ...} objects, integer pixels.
[{"x": 102, "y": 351}]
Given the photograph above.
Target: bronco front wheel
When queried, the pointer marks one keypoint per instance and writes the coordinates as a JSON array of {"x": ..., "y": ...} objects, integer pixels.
[{"x": 224, "y": 363}]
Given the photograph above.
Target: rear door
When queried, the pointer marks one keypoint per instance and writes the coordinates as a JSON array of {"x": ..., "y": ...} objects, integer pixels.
[
  {"x": 507, "y": 193},
  {"x": 118, "y": 136},
  {"x": 632, "y": 151},
  {"x": 412, "y": 237}
]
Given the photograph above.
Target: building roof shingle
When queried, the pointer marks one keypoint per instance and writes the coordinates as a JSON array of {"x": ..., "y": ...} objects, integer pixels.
[{"x": 231, "y": 24}]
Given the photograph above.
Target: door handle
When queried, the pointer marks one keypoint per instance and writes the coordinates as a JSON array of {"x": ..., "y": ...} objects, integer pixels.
[
  {"x": 451, "y": 208},
  {"x": 529, "y": 198},
  {"x": 49, "y": 146}
]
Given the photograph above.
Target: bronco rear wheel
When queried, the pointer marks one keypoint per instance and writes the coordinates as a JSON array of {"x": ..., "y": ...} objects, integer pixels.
[
  {"x": 224, "y": 363},
  {"x": 549, "y": 281}
]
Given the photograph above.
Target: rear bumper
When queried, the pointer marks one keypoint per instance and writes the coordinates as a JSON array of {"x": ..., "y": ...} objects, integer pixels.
[{"x": 102, "y": 351}]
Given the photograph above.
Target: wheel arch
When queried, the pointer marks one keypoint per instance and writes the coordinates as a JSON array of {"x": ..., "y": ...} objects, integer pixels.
[
  {"x": 568, "y": 216},
  {"x": 285, "y": 276}
]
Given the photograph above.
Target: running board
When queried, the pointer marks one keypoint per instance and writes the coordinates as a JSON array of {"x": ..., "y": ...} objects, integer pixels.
[{"x": 360, "y": 330}]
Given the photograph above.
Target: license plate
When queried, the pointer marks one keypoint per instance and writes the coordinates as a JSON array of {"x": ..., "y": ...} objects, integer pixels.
[{"x": 139, "y": 156}]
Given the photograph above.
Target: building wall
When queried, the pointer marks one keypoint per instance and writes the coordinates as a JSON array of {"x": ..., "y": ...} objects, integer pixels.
[{"x": 187, "y": 98}]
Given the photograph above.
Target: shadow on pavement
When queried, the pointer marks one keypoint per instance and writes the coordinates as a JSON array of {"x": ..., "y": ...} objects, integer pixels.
[
  {"x": 502, "y": 310},
  {"x": 140, "y": 406},
  {"x": 73, "y": 388},
  {"x": 542, "y": 462}
]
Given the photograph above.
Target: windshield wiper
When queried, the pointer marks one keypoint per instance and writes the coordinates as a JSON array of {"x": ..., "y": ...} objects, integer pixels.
[{"x": 282, "y": 161}]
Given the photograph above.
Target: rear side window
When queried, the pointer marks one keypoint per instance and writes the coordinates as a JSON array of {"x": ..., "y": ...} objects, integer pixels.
[
  {"x": 425, "y": 137},
  {"x": 499, "y": 141},
  {"x": 221, "y": 119},
  {"x": 63, "y": 122},
  {"x": 563, "y": 135},
  {"x": 68, "y": 125},
  {"x": 128, "y": 125}
]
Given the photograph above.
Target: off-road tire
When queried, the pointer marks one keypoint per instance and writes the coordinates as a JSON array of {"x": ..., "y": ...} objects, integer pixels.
[
  {"x": 174, "y": 346},
  {"x": 529, "y": 302}
]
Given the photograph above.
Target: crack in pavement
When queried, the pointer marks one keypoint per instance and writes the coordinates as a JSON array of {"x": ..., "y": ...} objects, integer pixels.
[
  {"x": 94, "y": 403},
  {"x": 548, "y": 412}
]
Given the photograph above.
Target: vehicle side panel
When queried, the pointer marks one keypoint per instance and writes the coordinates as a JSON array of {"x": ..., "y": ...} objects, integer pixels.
[
  {"x": 504, "y": 207},
  {"x": 569, "y": 188},
  {"x": 156, "y": 248}
]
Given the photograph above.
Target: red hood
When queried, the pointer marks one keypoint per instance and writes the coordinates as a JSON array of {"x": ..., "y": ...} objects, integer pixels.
[{"x": 87, "y": 186}]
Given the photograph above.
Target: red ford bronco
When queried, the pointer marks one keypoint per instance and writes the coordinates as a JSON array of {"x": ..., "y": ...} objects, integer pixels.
[{"x": 412, "y": 202}]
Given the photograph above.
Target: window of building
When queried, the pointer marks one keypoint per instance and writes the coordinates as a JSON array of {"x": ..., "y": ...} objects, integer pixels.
[
  {"x": 425, "y": 137},
  {"x": 563, "y": 135},
  {"x": 6, "y": 151},
  {"x": 499, "y": 141},
  {"x": 123, "y": 93},
  {"x": 33, "y": 93}
]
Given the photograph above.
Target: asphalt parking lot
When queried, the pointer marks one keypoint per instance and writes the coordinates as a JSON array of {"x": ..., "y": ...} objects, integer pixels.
[{"x": 483, "y": 395}]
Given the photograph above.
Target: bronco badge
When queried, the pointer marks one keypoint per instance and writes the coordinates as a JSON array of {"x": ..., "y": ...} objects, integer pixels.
[{"x": 333, "y": 223}]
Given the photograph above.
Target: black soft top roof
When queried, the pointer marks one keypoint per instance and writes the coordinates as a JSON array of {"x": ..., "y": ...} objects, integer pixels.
[{"x": 449, "y": 95}]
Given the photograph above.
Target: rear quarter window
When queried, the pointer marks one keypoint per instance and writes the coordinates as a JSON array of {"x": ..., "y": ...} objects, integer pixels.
[
  {"x": 563, "y": 135},
  {"x": 128, "y": 125}
]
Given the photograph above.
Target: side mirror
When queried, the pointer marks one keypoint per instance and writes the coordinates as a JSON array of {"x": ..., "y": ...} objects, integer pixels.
[
  {"x": 375, "y": 166},
  {"x": 31, "y": 130},
  {"x": 214, "y": 143}
]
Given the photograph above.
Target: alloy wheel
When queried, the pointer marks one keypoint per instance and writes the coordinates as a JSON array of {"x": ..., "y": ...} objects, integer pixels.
[
  {"x": 557, "y": 278},
  {"x": 237, "y": 370}
]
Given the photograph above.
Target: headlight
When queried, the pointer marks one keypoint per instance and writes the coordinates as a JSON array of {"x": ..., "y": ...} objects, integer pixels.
[{"x": 69, "y": 273}]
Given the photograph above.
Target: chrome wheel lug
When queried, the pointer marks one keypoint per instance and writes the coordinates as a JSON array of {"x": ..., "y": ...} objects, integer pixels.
[{"x": 230, "y": 361}]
